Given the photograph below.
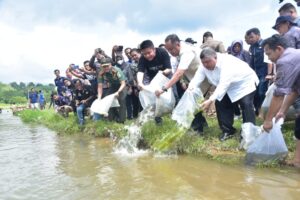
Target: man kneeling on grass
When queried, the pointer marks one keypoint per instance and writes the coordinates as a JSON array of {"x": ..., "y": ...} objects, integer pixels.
[
  {"x": 84, "y": 97},
  {"x": 62, "y": 105}
]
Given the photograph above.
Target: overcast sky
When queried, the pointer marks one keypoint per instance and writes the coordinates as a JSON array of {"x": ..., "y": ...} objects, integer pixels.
[{"x": 38, "y": 36}]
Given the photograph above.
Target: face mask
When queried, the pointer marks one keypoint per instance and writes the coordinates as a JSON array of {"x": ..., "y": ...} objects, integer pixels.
[{"x": 120, "y": 62}]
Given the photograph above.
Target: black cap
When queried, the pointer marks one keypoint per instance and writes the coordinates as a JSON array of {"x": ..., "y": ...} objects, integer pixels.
[
  {"x": 283, "y": 19},
  {"x": 190, "y": 40}
]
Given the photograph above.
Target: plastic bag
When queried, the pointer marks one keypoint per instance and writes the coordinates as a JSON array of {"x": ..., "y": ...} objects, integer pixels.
[
  {"x": 164, "y": 103},
  {"x": 269, "y": 94},
  {"x": 187, "y": 107},
  {"x": 102, "y": 106},
  {"x": 249, "y": 133},
  {"x": 268, "y": 146},
  {"x": 267, "y": 102},
  {"x": 147, "y": 97}
]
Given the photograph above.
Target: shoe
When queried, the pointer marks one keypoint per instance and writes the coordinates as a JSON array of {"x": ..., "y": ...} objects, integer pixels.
[
  {"x": 226, "y": 136},
  {"x": 158, "y": 120},
  {"x": 81, "y": 122}
]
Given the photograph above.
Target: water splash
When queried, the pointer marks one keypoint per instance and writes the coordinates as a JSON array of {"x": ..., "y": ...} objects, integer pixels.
[{"x": 128, "y": 145}]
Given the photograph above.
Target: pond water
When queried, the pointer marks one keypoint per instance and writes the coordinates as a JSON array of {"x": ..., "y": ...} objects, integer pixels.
[{"x": 37, "y": 163}]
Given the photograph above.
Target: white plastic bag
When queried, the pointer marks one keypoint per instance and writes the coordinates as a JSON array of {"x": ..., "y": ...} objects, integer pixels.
[
  {"x": 147, "y": 97},
  {"x": 164, "y": 103},
  {"x": 249, "y": 133},
  {"x": 187, "y": 107},
  {"x": 267, "y": 102},
  {"x": 102, "y": 106},
  {"x": 268, "y": 98},
  {"x": 268, "y": 146}
]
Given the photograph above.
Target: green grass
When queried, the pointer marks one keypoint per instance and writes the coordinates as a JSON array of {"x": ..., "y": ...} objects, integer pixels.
[{"x": 165, "y": 138}]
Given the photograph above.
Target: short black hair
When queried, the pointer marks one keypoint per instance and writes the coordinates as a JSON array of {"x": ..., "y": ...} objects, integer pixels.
[
  {"x": 274, "y": 41},
  {"x": 87, "y": 61},
  {"x": 287, "y": 8},
  {"x": 253, "y": 30},
  {"x": 56, "y": 70},
  {"x": 208, "y": 34},
  {"x": 146, "y": 44},
  {"x": 173, "y": 38},
  {"x": 127, "y": 49},
  {"x": 161, "y": 45}
]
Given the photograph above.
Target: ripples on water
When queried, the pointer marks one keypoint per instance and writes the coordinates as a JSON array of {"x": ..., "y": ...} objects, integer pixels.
[{"x": 36, "y": 163}]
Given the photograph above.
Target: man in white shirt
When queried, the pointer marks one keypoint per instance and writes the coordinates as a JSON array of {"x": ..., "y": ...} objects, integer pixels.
[
  {"x": 189, "y": 60},
  {"x": 235, "y": 81}
]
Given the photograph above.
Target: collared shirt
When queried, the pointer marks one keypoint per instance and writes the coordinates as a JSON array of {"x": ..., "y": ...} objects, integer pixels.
[
  {"x": 214, "y": 44},
  {"x": 258, "y": 59},
  {"x": 293, "y": 37},
  {"x": 297, "y": 21},
  {"x": 189, "y": 59},
  {"x": 113, "y": 78},
  {"x": 231, "y": 76},
  {"x": 288, "y": 72}
]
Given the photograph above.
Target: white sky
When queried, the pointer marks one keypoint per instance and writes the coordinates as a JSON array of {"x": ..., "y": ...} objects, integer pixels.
[{"x": 37, "y": 37}]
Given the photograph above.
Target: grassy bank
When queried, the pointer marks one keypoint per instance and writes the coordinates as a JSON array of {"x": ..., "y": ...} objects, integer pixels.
[{"x": 167, "y": 137}]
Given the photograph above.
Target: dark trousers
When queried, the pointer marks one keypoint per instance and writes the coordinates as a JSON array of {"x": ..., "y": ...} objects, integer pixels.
[
  {"x": 119, "y": 113},
  {"x": 133, "y": 106},
  {"x": 225, "y": 111},
  {"x": 260, "y": 94}
]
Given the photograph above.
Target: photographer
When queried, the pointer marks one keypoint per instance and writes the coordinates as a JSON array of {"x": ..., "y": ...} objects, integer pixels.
[
  {"x": 116, "y": 51},
  {"x": 98, "y": 54}
]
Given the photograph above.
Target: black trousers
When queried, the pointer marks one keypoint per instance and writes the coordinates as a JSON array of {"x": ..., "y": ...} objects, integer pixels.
[{"x": 225, "y": 111}]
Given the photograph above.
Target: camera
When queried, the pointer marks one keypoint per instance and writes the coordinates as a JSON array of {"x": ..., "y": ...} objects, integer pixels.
[
  {"x": 99, "y": 50},
  {"x": 120, "y": 48}
]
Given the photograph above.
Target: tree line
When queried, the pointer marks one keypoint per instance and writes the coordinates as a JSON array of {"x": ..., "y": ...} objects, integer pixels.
[{"x": 17, "y": 93}]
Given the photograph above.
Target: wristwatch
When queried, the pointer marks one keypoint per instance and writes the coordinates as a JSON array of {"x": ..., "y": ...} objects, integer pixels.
[{"x": 164, "y": 89}]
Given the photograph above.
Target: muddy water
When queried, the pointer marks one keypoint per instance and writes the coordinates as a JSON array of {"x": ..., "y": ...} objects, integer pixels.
[{"x": 36, "y": 163}]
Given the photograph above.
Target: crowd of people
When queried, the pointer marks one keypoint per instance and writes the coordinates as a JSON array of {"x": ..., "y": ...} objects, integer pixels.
[{"x": 233, "y": 80}]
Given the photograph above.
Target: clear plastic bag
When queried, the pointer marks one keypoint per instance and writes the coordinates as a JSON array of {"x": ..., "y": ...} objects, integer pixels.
[
  {"x": 268, "y": 146},
  {"x": 102, "y": 106},
  {"x": 187, "y": 107},
  {"x": 249, "y": 133},
  {"x": 267, "y": 102},
  {"x": 164, "y": 103},
  {"x": 147, "y": 97}
]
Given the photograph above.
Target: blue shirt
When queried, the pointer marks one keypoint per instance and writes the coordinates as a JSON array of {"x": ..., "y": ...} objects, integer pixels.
[
  {"x": 59, "y": 83},
  {"x": 41, "y": 97},
  {"x": 33, "y": 97}
]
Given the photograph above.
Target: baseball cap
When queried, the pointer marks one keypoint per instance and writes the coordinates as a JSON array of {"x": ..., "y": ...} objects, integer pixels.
[{"x": 282, "y": 19}]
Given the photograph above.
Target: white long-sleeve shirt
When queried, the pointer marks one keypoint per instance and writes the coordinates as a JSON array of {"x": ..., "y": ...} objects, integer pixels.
[
  {"x": 189, "y": 59},
  {"x": 231, "y": 75}
]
